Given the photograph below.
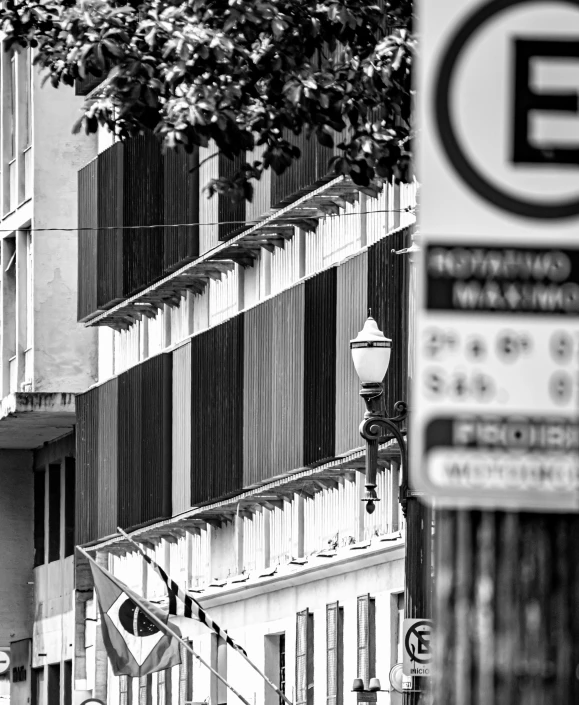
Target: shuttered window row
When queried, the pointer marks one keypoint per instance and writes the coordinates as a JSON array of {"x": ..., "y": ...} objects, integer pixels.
[
  {"x": 268, "y": 391},
  {"x": 130, "y": 184},
  {"x": 124, "y": 450}
]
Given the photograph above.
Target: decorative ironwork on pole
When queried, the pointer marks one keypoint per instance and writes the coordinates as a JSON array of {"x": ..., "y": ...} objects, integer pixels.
[{"x": 371, "y": 352}]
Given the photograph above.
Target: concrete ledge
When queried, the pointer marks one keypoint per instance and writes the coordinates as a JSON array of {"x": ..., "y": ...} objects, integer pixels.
[{"x": 30, "y": 419}]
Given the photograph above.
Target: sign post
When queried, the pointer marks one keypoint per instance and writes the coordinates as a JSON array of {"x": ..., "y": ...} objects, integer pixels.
[{"x": 496, "y": 392}]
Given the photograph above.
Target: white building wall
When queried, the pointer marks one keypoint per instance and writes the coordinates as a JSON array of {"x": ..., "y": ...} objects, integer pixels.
[{"x": 65, "y": 352}]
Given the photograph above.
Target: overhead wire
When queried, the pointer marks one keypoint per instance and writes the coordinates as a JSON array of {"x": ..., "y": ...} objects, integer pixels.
[{"x": 249, "y": 223}]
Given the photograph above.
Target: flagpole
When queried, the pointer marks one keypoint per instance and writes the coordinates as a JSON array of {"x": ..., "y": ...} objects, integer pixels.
[
  {"x": 166, "y": 629},
  {"x": 233, "y": 645}
]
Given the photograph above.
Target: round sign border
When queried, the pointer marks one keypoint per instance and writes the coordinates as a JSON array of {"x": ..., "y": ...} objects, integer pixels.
[
  {"x": 417, "y": 624},
  {"x": 446, "y": 133}
]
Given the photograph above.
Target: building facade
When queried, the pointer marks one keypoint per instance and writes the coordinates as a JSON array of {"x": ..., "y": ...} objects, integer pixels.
[
  {"x": 223, "y": 431},
  {"x": 188, "y": 378}
]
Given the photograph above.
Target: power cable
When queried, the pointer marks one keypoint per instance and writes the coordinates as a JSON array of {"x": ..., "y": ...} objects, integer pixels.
[{"x": 249, "y": 223}]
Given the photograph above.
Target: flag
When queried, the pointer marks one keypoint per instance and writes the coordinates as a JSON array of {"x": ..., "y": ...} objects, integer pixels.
[
  {"x": 135, "y": 644},
  {"x": 191, "y": 608}
]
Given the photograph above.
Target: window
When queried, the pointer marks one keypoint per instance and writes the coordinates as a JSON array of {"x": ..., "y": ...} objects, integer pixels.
[
  {"x": 37, "y": 685},
  {"x": 366, "y": 641},
  {"x": 164, "y": 687},
  {"x": 67, "y": 683},
  {"x": 334, "y": 654},
  {"x": 185, "y": 676},
  {"x": 53, "y": 684},
  {"x": 145, "y": 689},
  {"x": 305, "y": 658},
  {"x": 69, "y": 482},
  {"x": 125, "y": 690},
  {"x": 39, "y": 497},
  {"x": 53, "y": 512},
  {"x": 274, "y": 667},
  {"x": 218, "y": 694}
]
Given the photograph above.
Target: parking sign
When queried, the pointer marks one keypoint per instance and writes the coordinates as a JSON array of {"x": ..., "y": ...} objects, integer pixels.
[{"x": 496, "y": 392}]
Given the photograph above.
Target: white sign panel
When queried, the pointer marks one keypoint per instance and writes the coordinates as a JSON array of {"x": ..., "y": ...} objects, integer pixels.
[
  {"x": 417, "y": 656},
  {"x": 496, "y": 391}
]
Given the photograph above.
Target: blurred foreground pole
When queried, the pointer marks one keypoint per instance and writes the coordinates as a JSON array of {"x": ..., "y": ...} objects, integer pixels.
[
  {"x": 506, "y": 608},
  {"x": 418, "y": 592}
]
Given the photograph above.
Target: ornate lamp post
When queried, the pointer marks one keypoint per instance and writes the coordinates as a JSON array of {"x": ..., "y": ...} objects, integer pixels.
[{"x": 371, "y": 355}]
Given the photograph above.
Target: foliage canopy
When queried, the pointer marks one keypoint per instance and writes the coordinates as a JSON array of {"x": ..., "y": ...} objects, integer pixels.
[{"x": 239, "y": 72}]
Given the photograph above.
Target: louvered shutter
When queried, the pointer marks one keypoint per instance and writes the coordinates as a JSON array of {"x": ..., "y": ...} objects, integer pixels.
[
  {"x": 164, "y": 687},
  {"x": 145, "y": 694},
  {"x": 125, "y": 690},
  {"x": 334, "y": 665},
  {"x": 185, "y": 676},
  {"x": 304, "y": 658},
  {"x": 366, "y": 642}
]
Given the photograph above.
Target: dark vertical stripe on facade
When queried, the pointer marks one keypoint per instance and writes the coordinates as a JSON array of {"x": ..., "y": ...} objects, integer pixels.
[
  {"x": 130, "y": 445},
  {"x": 181, "y": 205},
  {"x": 157, "y": 437},
  {"x": 69, "y": 502},
  {"x": 133, "y": 184},
  {"x": 107, "y": 457},
  {"x": 87, "y": 239},
  {"x": 231, "y": 215},
  {"x": 142, "y": 205},
  {"x": 86, "y": 493},
  {"x": 387, "y": 298},
  {"x": 310, "y": 168},
  {"x": 217, "y": 411},
  {"x": 109, "y": 260},
  {"x": 319, "y": 378},
  {"x": 39, "y": 499},
  {"x": 144, "y": 452},
  {"x": 54, "y": 485}
]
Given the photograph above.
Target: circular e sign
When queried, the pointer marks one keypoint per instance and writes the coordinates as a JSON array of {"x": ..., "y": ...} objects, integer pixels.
[{"x": 517, "y": 86}]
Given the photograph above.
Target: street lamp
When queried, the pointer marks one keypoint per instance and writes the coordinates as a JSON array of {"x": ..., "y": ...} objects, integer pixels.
[{"x": 371, "y": 352}]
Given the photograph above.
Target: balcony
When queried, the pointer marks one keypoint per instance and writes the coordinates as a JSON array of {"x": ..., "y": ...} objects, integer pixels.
[{"x": 29, "y": 420}]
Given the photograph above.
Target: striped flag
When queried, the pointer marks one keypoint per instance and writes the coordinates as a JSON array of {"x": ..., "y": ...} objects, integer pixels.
[{"x": 192, "y": 609}]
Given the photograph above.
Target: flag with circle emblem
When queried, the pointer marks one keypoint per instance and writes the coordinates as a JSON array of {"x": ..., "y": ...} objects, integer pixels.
[{"x": 135, "y": 644}]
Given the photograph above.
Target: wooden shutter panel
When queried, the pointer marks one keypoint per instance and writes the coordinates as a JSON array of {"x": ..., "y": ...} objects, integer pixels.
[
  {"x": 164, "y": 687},
  {"x": 125, "y": 690},
  {"x": 185, "y": 676},
  {"x": 334, "y": 653},
  {"x": 145, "y": 694},
  {"x": 305, "y": 658},
  {"x": 366, "y": 640}
]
